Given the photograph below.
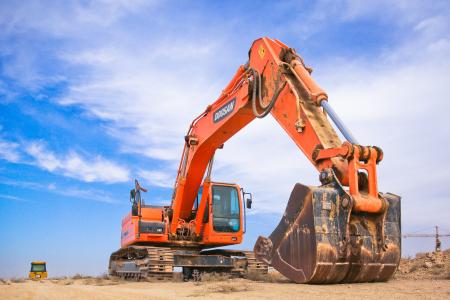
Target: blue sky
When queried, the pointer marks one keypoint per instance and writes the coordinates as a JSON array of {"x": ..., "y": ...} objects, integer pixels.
[{"x": 96, "y": 93}]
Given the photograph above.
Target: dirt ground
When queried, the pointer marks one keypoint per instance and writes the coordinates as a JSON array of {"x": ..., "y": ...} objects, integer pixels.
[
  {"x": 425, "y": 277},
  {"x": 232, "y": 289}
]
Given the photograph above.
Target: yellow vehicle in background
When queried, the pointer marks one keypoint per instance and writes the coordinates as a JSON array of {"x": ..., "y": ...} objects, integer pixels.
[{"x": 38, "y": 270}]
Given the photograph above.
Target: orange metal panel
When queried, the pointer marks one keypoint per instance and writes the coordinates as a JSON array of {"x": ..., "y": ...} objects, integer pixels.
[{"x": 152, "y": 214}]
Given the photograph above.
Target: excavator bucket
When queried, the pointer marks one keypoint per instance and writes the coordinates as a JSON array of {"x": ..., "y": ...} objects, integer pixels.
[{"x": 320, "y": 239}]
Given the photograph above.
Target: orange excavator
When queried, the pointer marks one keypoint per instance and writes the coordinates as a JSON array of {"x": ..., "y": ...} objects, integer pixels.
[{"x": 344, "y": 230}]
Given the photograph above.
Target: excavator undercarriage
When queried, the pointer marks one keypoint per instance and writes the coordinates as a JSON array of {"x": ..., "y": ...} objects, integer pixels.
[{"x": 145, "y": 262}]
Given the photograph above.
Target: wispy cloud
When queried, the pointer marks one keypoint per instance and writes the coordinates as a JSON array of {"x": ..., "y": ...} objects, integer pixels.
[
  {"x": 9, "y": 151},
  {"x": 70, "y": 164},
  {"x": 68, "y": 191},
  {"x": 158, "y": 105},
  {"x": 87, "y": 194},
  {"x": 72, "y": 16},
  {"x": 158, "y": 178},
  {"x": 32, "y": 19},
  {"x": 73, "y": 165},
  {"x": 11, "y": 198}
]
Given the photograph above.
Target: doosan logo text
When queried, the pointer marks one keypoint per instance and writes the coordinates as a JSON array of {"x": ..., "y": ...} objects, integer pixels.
[{"x": 224, "y": 111}]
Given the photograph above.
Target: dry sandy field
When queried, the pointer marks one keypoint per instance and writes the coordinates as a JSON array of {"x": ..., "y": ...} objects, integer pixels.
[
  {"x": 427, "y": 276},
  {"x": 227, "y": 289}
]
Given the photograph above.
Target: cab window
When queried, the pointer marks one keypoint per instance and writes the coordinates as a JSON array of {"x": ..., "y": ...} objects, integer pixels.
[
  {"x": 37, "y": 268},
  {"x": 199, "y": 198},
  {"x": 226, "y": 211}
]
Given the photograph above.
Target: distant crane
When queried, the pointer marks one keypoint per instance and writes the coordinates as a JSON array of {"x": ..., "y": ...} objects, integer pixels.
[{"x": 436, "y": 236}]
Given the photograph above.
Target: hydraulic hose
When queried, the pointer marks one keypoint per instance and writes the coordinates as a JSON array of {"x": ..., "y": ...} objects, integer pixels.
[{"x": 256, "y": 93}]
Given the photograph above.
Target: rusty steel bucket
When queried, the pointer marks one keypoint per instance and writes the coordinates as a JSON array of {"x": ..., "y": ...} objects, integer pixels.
[{"x": 320, "y": 239}]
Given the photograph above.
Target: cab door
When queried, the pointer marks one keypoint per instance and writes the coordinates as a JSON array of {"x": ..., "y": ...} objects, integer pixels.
[{"x": 225, "y": 214}]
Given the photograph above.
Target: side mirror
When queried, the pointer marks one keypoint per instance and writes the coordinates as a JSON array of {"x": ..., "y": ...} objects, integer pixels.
[
  {"x": 249, "y": 202},
  {"x": 248, "y": 199},
  {"x": 132, "y": 196}
]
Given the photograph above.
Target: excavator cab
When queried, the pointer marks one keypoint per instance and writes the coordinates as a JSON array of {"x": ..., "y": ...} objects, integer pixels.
[{"x": 223, "y": 214}]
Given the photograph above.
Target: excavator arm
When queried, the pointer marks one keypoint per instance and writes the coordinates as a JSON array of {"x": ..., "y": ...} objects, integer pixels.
[{"x": 276, "y": 81}]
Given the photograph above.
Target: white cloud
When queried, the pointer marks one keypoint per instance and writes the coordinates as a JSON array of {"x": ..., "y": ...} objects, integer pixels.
[
  {"x": 88, "y": 194},
  {"x": 157, "y": 178},
  {"x": 139, "y": 92},
  {"x": 61, "y": 19},
  {"x": 58, "y": 20},
  {"x": 73, "y": 165},
  {"x": 9, "y": 151},
  {"x": 365, "y": 9},
  {"x": 11, "y": 198},
  {"x": 96, "y": 57},
  {"x": 68, "y": 191},
  {"x": 44, "y": 158}
]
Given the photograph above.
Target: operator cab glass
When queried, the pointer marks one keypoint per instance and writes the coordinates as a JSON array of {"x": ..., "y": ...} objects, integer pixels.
[
  {"x": 37, "y": 267},
  {"x": 226, "y": 210},
  {"x": 199, "y": 198}
]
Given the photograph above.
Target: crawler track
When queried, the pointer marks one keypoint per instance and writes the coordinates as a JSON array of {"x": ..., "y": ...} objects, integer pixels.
[
  {"x": 138, "y": 262},
  {"x": 142, "y": 262},
  {"x": 254, "y": 265}
]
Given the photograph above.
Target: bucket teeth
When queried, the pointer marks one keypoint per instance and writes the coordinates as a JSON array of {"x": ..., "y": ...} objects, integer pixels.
[{"x": 320, "y": 239}]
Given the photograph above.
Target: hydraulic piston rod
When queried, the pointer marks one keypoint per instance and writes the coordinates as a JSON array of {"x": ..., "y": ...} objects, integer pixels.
[{"x": 340, "y": 125}]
